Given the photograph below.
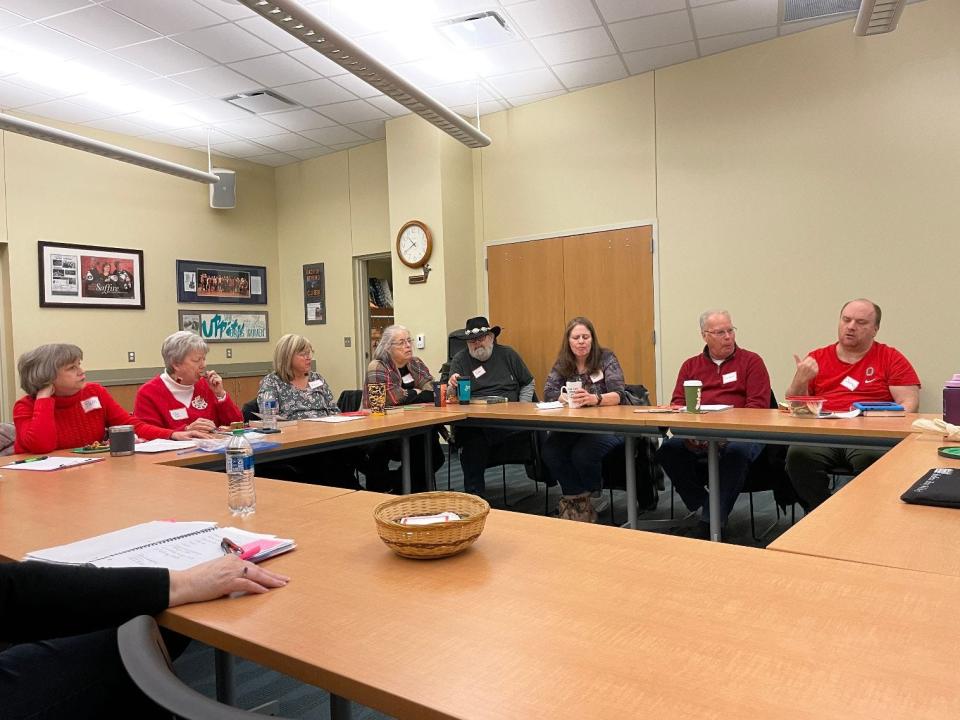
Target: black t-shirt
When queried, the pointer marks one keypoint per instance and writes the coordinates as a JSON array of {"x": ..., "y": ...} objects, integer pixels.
[{"x": 504, "y": 373}]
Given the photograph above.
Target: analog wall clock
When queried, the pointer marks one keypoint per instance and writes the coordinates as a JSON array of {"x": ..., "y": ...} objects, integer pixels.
[{"x": 414, "y": 244}]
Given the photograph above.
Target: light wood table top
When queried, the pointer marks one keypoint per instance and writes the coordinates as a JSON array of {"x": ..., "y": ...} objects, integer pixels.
[
  {"x": 866, "y": 522},
  {"x": 545, "y": 618}
]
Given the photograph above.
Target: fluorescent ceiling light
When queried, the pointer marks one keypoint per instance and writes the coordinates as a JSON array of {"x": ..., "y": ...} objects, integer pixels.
[
  {"x": 317, "y": 34},
  {"x": 115, "y": 152},
  {"x": 878, "y": 16}
]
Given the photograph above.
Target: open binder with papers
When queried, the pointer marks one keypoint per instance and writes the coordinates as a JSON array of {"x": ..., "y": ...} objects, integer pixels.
[{"x": 173, "y": 545}]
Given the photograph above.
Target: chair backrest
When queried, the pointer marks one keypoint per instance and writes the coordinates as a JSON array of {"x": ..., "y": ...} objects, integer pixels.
[
  {"x": 7, "y": 435},
  {"x": 249, "y": 408},
  {"x": 147, "y": 662},
  {"x": 350, "y": 400},
  {"x": 455, "y": 343}
]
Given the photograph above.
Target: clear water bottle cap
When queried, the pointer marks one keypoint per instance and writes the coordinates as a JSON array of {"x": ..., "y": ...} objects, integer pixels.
[{"x": 238, "y": 432}]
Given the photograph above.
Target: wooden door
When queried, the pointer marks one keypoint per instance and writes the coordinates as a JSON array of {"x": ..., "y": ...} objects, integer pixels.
[{"x": 525, "y": 284}]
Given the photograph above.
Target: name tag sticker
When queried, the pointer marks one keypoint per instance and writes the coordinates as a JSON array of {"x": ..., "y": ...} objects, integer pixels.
[
  {"x": 849, "y": 383},
  {"x": 729, "y": 377},
  {"x": 314, "y": 384},
  {"x": 408, "y": 378},
  {"x": 91, "y": 403},
  {"x": 179, "y": 413},
  {"x": 597, "y": 376},
  {"x": 479, "y": 371}
]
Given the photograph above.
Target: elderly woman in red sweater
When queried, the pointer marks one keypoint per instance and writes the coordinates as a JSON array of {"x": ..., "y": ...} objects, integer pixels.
[
  {"x": 186, "y": 396},
  {"x": 62, "y": 410}
]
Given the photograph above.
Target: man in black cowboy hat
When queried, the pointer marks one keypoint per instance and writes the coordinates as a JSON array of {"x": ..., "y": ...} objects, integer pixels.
[{"x": 493, "y": 369}]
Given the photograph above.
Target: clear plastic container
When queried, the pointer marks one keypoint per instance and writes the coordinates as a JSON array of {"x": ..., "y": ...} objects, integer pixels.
[
  {"x": 269, "y": 409},
  {"x": 241, "y": 493},
  {"x": 805, "y": 405}
]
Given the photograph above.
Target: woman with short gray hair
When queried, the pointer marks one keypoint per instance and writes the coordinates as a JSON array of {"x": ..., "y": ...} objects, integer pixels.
[
  {"x": 186, "y": 396},
  {"x": 62, "y": 410}
]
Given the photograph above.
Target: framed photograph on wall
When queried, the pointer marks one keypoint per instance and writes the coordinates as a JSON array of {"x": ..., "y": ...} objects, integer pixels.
[
  {"x": 90, "y": 276},
  {"x": 199, "y": 281},
  {"x": 218, "y": 326},
  {"x": 314, "y": 295}
]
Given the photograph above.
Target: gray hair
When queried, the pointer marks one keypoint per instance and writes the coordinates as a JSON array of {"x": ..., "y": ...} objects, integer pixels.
[
  {"x": 390, "y": 334},
  {"x": 177, "y": 346},
  {"x": 705, "y": 315},
  {"x": 38, "y": 367}
]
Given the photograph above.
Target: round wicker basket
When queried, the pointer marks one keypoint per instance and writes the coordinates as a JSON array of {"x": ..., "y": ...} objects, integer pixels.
[{"x": 431, "y": 541}]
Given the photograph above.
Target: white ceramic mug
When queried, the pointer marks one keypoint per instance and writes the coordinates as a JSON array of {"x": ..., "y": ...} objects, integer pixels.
[{"x": 568, "y": 389}]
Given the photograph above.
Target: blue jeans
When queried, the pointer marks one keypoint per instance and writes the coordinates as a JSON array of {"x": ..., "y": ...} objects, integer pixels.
[
  {"x": 576, "y": 459},
  {"x": 687, "y": 470}
]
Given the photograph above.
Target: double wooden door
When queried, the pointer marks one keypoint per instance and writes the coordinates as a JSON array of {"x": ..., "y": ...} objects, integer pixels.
[{"x": 535, "y": 287}]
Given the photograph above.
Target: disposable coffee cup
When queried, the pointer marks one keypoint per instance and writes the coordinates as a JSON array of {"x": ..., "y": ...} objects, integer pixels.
[
  {"x": 463, "y": 391},
  {"x": 121, "y": 440},
  {"x": 692, "y": 390},
  {"x": 377, "y": 398}
]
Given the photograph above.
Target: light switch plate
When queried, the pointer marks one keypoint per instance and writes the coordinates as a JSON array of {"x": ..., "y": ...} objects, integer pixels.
[
  {"x": 421, "y": 342},
  {"x": 347, "y": 342}
]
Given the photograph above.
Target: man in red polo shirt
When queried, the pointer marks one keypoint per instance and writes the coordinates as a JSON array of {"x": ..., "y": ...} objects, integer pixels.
[
  {"x": 854, "y": 369},
  {"x": 730, "y": 376}
]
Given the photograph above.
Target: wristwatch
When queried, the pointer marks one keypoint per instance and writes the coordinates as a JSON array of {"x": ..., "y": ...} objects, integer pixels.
[{"x": 599, "y": 397}]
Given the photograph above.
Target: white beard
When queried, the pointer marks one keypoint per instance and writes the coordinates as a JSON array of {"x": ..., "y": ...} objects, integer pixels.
[{"x": 481, "y": 353}]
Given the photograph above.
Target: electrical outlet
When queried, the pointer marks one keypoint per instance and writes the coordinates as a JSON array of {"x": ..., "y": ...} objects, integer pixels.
[
  {"x": 229, "y": 353},
  {"x": 131, "y": 356},
  {"x": 421, "y": 342},
  {"x": 347, "y": 342}
]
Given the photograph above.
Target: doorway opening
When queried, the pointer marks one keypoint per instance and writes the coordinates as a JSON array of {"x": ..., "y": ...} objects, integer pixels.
[{"x": 375, "y": 305}]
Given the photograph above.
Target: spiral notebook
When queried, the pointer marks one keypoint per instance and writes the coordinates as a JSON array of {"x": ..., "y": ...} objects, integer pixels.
[{"x": 173, "y": 545}]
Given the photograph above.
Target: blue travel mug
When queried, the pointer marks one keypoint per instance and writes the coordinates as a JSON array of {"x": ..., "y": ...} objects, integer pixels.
[{"x": 463, "y": 390}]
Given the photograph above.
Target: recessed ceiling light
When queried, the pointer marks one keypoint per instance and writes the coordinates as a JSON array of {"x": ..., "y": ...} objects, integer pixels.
[{"x": 477, "y": 30}]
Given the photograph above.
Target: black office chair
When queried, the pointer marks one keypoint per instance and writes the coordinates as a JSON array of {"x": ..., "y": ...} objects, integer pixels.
[
  {"x": 147, "y": 662},
  {"x": 350, "y": 400},
  {"x": 250, "y": 410}
]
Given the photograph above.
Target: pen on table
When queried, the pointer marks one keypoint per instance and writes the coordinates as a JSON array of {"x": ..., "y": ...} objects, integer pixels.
[
  {"x": 229, "y": 547},
  {"x": 30, "y": 459}
]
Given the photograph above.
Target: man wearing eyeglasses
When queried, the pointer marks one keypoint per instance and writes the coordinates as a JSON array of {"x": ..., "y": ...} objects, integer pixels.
[{"x": 730, "y": 376}]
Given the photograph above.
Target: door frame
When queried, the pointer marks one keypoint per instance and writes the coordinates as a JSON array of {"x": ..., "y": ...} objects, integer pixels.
[
  {"x": 485, "y": 290},
  {"x": 362, "y": 310}
]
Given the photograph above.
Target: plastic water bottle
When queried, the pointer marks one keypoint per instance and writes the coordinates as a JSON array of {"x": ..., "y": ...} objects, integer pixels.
[
  {"x": 269, "y": 409},
  {"x": 241, "y": 494},
  {"x": 951, "y": 400}
]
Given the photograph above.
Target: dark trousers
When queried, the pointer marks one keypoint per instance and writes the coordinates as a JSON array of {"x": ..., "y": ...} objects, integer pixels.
[
  {"x": 481, "y": 448},
  {"x": 74, "y": 677},
  {"x": 575, "y": 460},
  {"x": 807, "y": 466},
  {"x": 334, "y": 468},
  {"x": 381, "y": 479},
  {"x": 687, "y": 470}
]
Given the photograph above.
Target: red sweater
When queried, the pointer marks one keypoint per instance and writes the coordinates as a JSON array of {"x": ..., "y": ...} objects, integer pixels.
[
  {"x": 55, "y": 423},
  {"x": 157, "y": 405},
  {"x": 741, "y": 380}
]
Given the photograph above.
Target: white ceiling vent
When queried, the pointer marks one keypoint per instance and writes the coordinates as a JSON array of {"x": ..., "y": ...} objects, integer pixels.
[
  {"x": 794, "y": 10},
  {"x": 878, "y": 16},
  {"x": 260, "y": 101},
  {"x": 478, "y": 30}
]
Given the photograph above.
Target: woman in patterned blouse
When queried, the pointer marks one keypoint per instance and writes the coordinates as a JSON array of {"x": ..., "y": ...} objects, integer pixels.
[{"x": 302, "y": 392}]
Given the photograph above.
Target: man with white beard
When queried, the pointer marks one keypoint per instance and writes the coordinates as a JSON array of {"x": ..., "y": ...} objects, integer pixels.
[{"x": 493, "y": 369}]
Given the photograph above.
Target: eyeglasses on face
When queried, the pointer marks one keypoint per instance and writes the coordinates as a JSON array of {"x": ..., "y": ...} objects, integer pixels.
[
  {"x": 305, "y": 354},
  {"x": 401, "y": 343},
  {"x": 722, "y": 333}
]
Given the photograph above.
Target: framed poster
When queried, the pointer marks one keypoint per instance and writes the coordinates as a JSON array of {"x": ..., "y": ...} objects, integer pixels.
[
  {"x": 314, "y": 295},
  {"x": 217, "y": 326},
  {"x": 199, "y": 281},
  {"x": 90, "y": 276}
]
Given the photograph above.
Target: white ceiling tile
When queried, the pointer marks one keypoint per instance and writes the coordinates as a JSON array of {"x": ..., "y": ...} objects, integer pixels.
[
  {"x": 301, "y": 119},
  {"x": 167, "y": 91},
  {"x": 242, "y": 148},
  {"x": 510, "y": 57},
  {"x": 315, "y": 92},
  {"x": 168, "y": 17},
  {"x": 373, "y": 129},
  {"x": 100, "y": 27},
  {"x": 653, "y": 31},
  {"x": 164, "y": 56},
  {"x": 700, "y": 3},
  {"x": 389, "y": 105},
  {"x": 310, "y": 154},
  {"x": 266, "y": 30},
  {"x": 41, "y": 39},
  {"x": 274, "y": 70},
  {"x": 794, "y": 27},
  {"x": 357, "y": 86},
  {"x": 536, "y": 97},
  {"x": 65, "y": 111},
  {"x": 208, "y": 110},
  {"x": 735, "y": 16},
  {"x": 164, "y": 119},
  {"x": 36, "y": 9},
  {"x": 287, "y": 141},
  {"x": 576, "y": 45},
  {"x": 348, "y": 145},
  {"x": 8, "y": 20},
  {"x": 427, "y": 73},
  {"x": 462, "y": 93},
  {"x": 647, "y": 60},
  {"x": 331, "y": 135},
  {"x": 120, "y": 125},
  {"x": 112, "y": 68},
  {"x": 200, "y": 135},
  {"x": 391, "y": 50},
  {"x": 351, "y": 112},
  {"x": 274, "y": 159},
  {"x": 228, "y": 8},
  {"x": 545, "y": 17},
  {"x": 456, "y": 8},
  {"x": 12, "y": 95},
  {"x": 167, "y": 139},
  {"x": 529, "y": 82},
  {"x": 616, "y": 10},
  {"x": 591, "y": 72},
  {"x": 217, "y": 81},
  {"x": 312, "y": 59},
  {"x": 250, "y": 127},
  {"x": 470, "y": 111},
  {"x": 226, "y": 43},
  {"x": 720, "y": 43}
]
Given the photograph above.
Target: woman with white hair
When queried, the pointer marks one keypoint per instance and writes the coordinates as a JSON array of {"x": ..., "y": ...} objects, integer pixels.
[
  {"x": 62, "y": 410},
  {"x": 186, "y": 396}
]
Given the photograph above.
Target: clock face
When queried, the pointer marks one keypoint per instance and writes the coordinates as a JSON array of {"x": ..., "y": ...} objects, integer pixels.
[{"x": 414, "y": 244}]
